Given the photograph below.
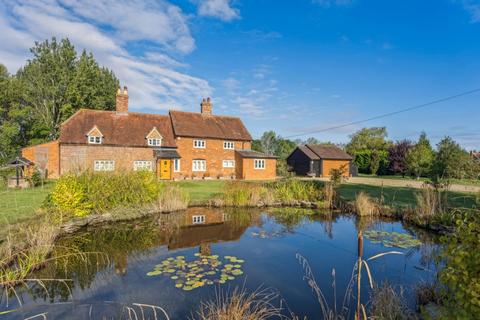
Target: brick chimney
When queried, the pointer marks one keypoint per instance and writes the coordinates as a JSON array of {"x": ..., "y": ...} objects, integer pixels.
[
  {"x": 121, "y": 102},
  {"x": 206, "y": 106}
]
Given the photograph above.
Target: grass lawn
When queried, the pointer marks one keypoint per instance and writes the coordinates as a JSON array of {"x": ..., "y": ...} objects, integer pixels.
[
  {"x": 17, "y": 205},
  {"x": 468, "y": 182},
  {"x": 402, "y": 197},
  {"x": 202, "y": 190}
]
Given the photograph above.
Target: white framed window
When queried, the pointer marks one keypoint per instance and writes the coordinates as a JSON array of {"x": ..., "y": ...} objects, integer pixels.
[
  {"x": 259, "y": 164},
  {"x": 104, "y": 165},
  {"x": 94, "y": 140},
  {"x": 199, "y": 144},
  {"x": 144, "y": 165},
  {"x": 199, "y": 165},
  {"x": 176, "y": 165},
  {"x": 230, "y": 145},
  {"x": 229, "y": 163},
  {"x": 198, "y": 219},
  {"x": 154, "y": 142}
]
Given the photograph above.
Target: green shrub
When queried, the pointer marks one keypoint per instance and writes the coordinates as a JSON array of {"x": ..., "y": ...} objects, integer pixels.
[
  {"x": 461, "y": 273},
  {"x": 86, "y": 193},
  {"x": 246, "y": 194},
  {"x": 292, "y": 190},
  {"x": 69, "y": 197}
]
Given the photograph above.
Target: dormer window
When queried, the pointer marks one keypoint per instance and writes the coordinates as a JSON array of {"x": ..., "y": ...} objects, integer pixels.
[
  {"x": 154, "y": 138},
  {"x": 94, "y": 136},
  {"x": 155, "y": 142},
  {"x": 94, "y": 140}
]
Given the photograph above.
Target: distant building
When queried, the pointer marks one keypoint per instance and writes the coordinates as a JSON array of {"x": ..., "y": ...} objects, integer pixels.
[
  {"x": 475, "y": 155},
  {"x": 318, "y": 160},
  {"x": 180, "y": 145}
]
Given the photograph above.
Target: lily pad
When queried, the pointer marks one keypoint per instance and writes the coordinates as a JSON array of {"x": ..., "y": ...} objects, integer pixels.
[
  {"x": 205, "y": 270},
  {"x": 392, "y": 239}
]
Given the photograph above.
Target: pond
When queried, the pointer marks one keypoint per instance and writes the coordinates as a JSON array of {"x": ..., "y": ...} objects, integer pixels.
[{"x": 177, "y": 260}]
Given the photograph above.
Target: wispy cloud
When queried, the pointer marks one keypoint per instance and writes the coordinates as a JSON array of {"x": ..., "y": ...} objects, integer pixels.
[
  {"x": 330, "y": 3},
  {"x": 221, "y": 9},
  {"x": 472, "y": 7},
  {"x": 252, "y": 93},
  {"x": 107, "y": 28}
]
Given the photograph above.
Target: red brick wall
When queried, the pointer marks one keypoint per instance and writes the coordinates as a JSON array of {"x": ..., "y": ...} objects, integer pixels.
[
  {"x": 81, "y": 157},
  {"x": 248, "y": 171},
  {"x": 45, "y": 156},
  {"x": 214, "y": 154}
]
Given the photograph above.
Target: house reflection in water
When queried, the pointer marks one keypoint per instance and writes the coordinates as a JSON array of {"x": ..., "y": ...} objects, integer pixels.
[{"x": 203, "y": 226}]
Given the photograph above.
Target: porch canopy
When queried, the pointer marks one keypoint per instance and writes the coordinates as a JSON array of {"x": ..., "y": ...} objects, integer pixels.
[{"x": 167, "y": 154}]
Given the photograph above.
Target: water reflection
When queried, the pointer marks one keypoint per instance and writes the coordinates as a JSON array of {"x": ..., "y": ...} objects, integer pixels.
[{"x": 110, "y": 262}]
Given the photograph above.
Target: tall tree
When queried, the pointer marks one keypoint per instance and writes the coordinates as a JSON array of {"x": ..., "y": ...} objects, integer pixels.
[
  {"x": 451, "y": 161},
  {"x": 57, "y": 83},
  {"x": 47, "y": 90},
  {"x": 397, "y": 157},
  {"x": 420, "y": 157},
  {"x": 368, "y": 139}
]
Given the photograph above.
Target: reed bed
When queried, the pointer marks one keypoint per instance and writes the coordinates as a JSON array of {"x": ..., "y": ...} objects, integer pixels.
[
  {"x": 240, "y": 305},
  {"x": 365, "y": 206}
]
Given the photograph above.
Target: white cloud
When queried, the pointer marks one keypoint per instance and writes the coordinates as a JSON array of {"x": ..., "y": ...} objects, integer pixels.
[
  {"x": 221, "y": 9},
  {"x": 107, "y": 28}
]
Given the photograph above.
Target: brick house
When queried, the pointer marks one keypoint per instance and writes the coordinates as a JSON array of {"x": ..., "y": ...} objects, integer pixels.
[{"x": 180, "y": 145}]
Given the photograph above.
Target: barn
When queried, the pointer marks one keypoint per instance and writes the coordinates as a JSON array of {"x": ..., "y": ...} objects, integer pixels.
[{"x": 318, "y": 160}]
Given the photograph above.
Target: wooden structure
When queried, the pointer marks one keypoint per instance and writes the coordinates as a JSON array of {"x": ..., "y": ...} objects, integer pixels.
[
  {"x": 319, "y": 160},
  {"x": 24, "y": 169}
]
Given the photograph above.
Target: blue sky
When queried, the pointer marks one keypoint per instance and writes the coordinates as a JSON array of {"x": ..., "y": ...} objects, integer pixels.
[{"x": 289, "y": 66}]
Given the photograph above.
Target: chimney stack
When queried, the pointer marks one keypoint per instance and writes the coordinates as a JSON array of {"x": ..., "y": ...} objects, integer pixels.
[
  {"x": 121, "y": 102},
  {"x": 206, "y": 106}
]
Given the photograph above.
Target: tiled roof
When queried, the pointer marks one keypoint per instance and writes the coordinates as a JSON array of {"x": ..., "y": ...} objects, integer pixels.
[
  {"x": 254, "y": 154},
  {"x": 197, "y": 125},
  {"x": 329, "y": 152},
  {"x": 309, "y": 153},
  {"x": 124, "y": 129}
]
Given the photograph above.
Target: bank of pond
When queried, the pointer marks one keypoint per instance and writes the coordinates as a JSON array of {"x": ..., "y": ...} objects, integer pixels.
[{"x": 172, "y": 263}]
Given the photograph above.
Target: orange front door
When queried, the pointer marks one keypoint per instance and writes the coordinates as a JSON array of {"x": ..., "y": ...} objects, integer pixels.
[{"x": 165, "y": 169}]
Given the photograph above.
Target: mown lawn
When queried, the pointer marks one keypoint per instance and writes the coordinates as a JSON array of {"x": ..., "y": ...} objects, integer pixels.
[
  {"x": 202, "y": 190},
  {"x": 17, "y": 205},
  {"x": 467, "y": 182},
  {"x": 402, "y": 197}
]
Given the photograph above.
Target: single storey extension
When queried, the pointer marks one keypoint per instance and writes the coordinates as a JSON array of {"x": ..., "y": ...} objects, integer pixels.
[
  {"x": 180, "y": 145},
  {"x": 318, "y": 160}
]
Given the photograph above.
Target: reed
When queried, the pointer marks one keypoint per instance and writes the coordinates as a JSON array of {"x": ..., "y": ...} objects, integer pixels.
[
  {"x": 240, "y": 305},
  {"x": 365, "y": 206},
  {"x": 388, "y": 304}
]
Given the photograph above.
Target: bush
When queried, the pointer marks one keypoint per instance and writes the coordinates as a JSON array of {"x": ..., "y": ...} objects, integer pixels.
[
  {"x": 292, "y": 190},
  {"x": 461, "y": 273},
  {"x": 86, "y": 193}
]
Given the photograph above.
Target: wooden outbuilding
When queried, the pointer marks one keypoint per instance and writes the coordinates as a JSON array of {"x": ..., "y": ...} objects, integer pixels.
[{"x": 318, "y": 160}]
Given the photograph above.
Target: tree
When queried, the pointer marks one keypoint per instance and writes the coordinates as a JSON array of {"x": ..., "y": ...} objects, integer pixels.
[
  {"x": 57, "y": 83},
  {"x": 368, "y": 139},
  {"x": 451, "y": 161},
  {"x": 46, "y": 91},
  {"x": 397, "y": 157},
  {"x": 369, "y": 148},
  {"x": 420, "y": 157}
]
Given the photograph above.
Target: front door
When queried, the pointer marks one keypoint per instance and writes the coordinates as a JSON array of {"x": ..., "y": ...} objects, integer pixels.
[{"x": 165, "y": 169}]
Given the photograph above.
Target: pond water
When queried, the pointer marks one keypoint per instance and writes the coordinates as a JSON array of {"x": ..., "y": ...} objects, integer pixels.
[{"x": 177, "y": 260}]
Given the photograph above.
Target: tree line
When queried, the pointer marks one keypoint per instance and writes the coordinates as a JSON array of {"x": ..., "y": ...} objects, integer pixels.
[
  {"x": 375, "y": 154},
  {"x": 51, "y": 86}
]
